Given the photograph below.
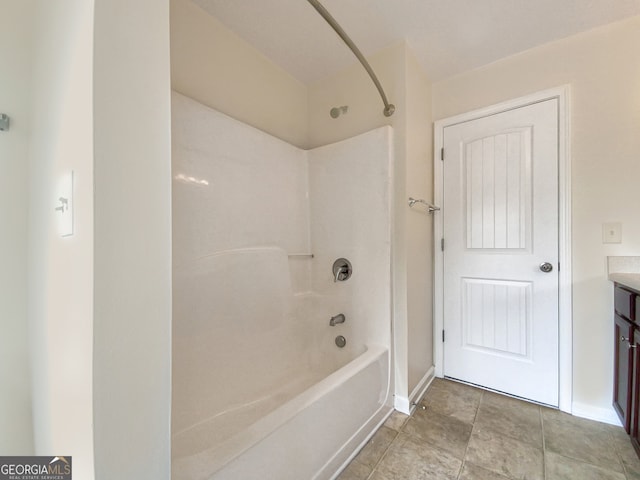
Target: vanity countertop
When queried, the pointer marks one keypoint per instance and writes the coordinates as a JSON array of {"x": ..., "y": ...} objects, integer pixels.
[
  {"x": 625, "y": 271},
  {"x": 631, "y": 280}
]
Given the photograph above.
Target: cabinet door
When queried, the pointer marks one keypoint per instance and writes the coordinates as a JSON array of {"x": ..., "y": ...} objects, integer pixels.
[
  {"x": 622, "y": 386},
  {"x": 635, "y": 397},
  {"x": 624, "y": 302}
]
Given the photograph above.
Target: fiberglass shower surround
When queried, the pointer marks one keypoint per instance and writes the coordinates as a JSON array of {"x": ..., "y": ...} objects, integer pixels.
[{"x": 255, "y": 364}]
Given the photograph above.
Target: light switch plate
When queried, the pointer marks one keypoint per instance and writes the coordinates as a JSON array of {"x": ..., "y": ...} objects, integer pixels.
[
  {"x": 612, "y": 232},
  {"x": 64, "y": 204},
  {"x": 5, "y": 122}
]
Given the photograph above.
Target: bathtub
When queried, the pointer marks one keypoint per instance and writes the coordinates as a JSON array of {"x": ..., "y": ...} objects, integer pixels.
[
  {"x": 310, "y": 434},
  {"x": 259, "y": 388}
]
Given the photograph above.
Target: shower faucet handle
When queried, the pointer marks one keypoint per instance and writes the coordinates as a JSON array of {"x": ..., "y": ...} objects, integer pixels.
[{"x": 342, "y": 270}]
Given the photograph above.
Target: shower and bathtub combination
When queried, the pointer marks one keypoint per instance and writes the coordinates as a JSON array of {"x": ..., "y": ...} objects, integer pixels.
[{"x": 281, "y": 359}]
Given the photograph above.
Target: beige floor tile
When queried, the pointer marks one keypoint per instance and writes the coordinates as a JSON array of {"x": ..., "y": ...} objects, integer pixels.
[
  {"x": 453, "y": 387},
  {"x": 633, "y": 476},
  {"x": 375, "y": 448},
  {"x": 550, "y": 414},
  {"x": 355, "y": 471},
  {"x": 518, "y": 408},
  {"x": 511, "y": 417},
  {"x": 473, "y": 472},
  {"x": 379, "y": 476},
  {"x": 580, "y": 439},
  {"x": 396, "y": 421},
  {"x": 453, "y": 399},
  {"x": 503, "y": 443},
  {"x": 504, "y": 455},
  {"x": 630, "y": 461},
  {"x": 618, "y": 432},
  {"x": 442, "y": 431},
  {"x": 437, "y": 382},
  {"x": 563, "y": 468},
  {"x": 410, "y": 459},
  {"x": 626, "y": 452}
]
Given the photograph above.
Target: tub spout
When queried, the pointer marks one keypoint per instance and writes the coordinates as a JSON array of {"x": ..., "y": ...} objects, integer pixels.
[{"x": 337, "y": 319}]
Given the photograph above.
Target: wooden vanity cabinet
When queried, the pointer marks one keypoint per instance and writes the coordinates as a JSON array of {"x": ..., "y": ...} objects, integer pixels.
[
  {"x": 626, "y": 386},
  {"x": 624, "y": 301}
]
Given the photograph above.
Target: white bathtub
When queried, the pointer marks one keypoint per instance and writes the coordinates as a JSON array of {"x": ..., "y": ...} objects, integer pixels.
[
  {"x": 259, "y": 388},
  {"x": 309, "y": 436}
]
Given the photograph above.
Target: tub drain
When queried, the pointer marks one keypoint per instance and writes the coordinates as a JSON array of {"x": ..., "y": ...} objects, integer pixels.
[{"x": 341, "y": 341}]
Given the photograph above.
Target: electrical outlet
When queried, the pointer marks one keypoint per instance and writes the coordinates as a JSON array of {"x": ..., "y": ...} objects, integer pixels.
[{"x": 612, "y": 232}]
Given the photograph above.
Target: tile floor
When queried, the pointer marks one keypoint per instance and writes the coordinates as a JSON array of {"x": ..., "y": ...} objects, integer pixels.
[{"x": 464, "y": 433}]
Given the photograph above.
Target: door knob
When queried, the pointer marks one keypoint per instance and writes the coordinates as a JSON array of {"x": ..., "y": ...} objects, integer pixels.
[{"x": 546, "y": 267}]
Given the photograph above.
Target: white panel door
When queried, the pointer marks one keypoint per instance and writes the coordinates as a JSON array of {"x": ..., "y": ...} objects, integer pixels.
[{"x": 500, "y": 225}]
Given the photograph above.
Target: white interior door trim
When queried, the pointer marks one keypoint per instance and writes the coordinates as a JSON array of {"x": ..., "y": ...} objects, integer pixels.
[{"x": 562, "y": 94}]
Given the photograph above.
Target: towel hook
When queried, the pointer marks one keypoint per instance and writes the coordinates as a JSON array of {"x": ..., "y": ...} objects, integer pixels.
[{"x": 431, "y": 208}]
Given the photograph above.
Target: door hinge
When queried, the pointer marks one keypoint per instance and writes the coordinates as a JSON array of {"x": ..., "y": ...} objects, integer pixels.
[
  {"x": 442, "y": 154},
  {"x": 442, "y": 336},
  {"x": 442, "y": 244}
]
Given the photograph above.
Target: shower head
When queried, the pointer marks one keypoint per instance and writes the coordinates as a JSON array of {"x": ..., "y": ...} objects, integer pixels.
[{"x": 335, "y": 112}]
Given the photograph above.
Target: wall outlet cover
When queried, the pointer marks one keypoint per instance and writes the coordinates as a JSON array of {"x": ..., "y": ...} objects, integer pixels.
[{"x": 612, "y": 232}]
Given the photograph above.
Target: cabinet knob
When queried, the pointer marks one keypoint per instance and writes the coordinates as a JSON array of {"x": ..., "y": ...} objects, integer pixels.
[{"x": 628, "y": 340}]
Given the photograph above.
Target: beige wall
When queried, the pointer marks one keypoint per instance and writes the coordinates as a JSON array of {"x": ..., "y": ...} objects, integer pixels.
[
  {"x": 603, "y": 68},
  {"x": 16, "y": 53},
  {"x": 99, "y": 312},
  {"x": 132, "y": 315},
  {"x": 214, "y": 66},
  {"x": 60, "y": 270},
  {"x": 353, "y": 88},
  {"x": 419, "y": 184}
]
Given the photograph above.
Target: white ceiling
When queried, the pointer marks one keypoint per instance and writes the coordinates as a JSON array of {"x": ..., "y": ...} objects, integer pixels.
[{"x": 447, "y": 36}]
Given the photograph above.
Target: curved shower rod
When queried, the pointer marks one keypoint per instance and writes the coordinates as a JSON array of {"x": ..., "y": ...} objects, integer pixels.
[{"x": 389, "y": 108}]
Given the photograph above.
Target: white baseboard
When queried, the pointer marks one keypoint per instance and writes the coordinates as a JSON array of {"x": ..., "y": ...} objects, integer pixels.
[
  {"x": 405, "y": 404},
  {"x": 599, "y": 414},
  {"x": 422, "y": 386},
  {"x": 402, "y": 404}
]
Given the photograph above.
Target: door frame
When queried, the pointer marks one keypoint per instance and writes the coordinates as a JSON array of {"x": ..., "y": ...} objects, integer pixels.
[{"x": 565, "y": 316}]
